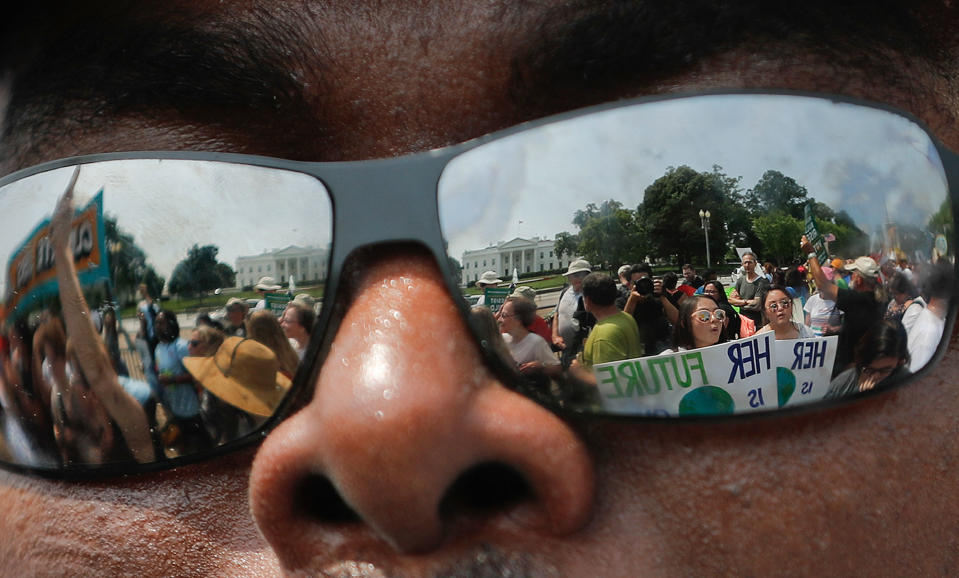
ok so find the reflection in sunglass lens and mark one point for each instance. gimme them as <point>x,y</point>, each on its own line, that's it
<point>629,185</point>
<point>162,246</point>
<point>705,316</point>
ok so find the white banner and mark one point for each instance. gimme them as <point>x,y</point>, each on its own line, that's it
<point>752,374</point>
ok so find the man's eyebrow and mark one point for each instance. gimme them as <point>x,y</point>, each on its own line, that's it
<point>131,66</point>
<point>580,51</point>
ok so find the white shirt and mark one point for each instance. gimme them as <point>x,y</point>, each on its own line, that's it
<point>531,348</point>
<point>924,336</point>
<point>564,314</point>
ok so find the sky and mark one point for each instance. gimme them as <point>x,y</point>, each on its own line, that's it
<point>871,163</point>
<point>170,205</point>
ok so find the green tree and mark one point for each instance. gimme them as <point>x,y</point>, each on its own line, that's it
<point>669,214</point>
<point>941,221</point>
<point>608,233</point>
<point>128,264</point>
<point>566,244</point>
<point>775,192</point>
<point>780,234</point>
<point>200,272</point>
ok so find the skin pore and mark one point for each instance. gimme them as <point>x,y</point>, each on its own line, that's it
<point>866,488</point>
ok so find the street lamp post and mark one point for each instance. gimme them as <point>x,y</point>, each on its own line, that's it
<point>704,218</point>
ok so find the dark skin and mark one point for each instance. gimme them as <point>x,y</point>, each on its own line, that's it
<point>863,489</point>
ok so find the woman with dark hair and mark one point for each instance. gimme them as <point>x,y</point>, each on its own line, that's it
<point>777,308</point>
<point>700,323</point>
<point>882,353</point>
<point>904,295</point>
<point>179,394</point>
<point>714,288</point>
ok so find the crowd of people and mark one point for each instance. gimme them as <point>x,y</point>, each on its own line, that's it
<point>889,319</point>
<point>69,397</point>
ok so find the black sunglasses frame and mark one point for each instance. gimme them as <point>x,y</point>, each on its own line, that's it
<point>371,219</point>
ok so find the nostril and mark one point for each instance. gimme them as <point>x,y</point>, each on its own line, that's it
<point>318,499</point>
<point>485,488</point>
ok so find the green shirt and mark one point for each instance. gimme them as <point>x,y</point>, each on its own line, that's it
<point>614,338</point>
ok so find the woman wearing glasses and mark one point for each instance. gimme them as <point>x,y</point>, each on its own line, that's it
<point>700,324</point>
<point>777,308</point>
<point>882,353</point>
<point>715,289</point>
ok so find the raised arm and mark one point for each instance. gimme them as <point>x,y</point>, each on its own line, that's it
<point>90,351</point>
<point>827,288</point>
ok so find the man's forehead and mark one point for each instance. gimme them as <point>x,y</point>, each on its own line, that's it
<point>334,81</point>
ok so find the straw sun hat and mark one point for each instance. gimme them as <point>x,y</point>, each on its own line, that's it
<point>244,373</point>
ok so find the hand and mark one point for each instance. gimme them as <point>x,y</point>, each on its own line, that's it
<point>559,342</point>
<point>531,366</point>
<point>658,287</point>
<point>805,246</point>
<point>62,220</point>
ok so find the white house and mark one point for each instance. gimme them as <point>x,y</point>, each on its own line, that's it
<point>525,255</point>
<point>305,264</point>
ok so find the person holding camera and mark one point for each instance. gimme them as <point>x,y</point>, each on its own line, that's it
<point>649,307</point>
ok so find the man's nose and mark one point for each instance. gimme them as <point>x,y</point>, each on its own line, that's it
<point>410,437</point>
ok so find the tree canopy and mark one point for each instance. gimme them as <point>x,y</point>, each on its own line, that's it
<point>200,272</point>
<point>769,217</point>
<point>128,264</point>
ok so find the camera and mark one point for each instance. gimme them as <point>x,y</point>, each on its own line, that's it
<point>644,286</point>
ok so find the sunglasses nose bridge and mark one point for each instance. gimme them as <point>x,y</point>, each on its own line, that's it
<point>385,201</point>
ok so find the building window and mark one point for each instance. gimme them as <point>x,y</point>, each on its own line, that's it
<point>551,254</point>
<point>540,254</point>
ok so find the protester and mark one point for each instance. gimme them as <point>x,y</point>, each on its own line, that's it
<point>297,322</point>
<point>487,279</point>
<point>530,352</point>
<point>235,322</point>
<point>820,314</point>
<point>778,315</point>
<point>859,304</point>
<point>715,289</point>
<point>700,324</point>
<point>926,331</point>
<point>650,308</point>
<point>747,290</point>
<point>415,482</point>
<point>263,286</point>
<point>881,356</point>
<point>537,324</point>
<point>571,321</point>
<point>615,335</point>
<point>263,326</point>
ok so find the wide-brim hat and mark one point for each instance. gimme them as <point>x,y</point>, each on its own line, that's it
<point>266,284</point>
<point>525,291</point>
<point>244,373</point>
<point>488,278</point>
<point>866,266</point>
<point>236,302</point>
<point>578,266</point>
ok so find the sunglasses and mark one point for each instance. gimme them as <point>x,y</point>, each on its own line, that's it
<point>529,200</point>
<point>777,305</point>
<point>705,315</point>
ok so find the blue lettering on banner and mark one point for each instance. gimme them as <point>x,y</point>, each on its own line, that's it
<point>747,357</point>
<point>809,354</point>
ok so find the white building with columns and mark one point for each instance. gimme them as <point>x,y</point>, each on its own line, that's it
<point>525,255</point>
<point>305,264</point>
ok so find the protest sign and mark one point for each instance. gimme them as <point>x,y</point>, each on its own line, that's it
<point>277,302</point>
<point>817,240</point>
<point>495,297</point>
<point>31,272</point>
<point>752,374</point>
